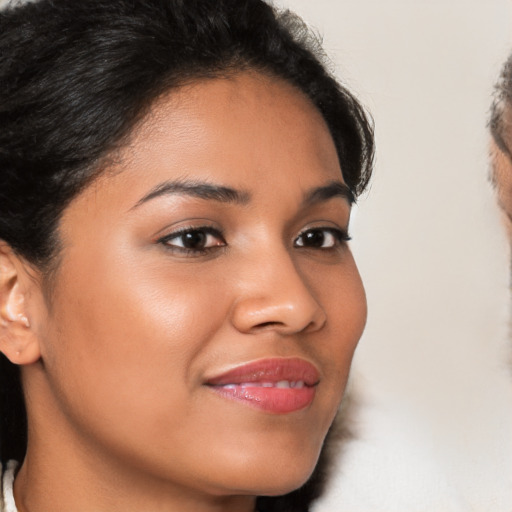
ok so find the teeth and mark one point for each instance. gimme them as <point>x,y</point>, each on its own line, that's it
<point>282,384</point>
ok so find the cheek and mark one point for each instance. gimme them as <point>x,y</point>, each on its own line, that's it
<point>502,174</point>
<point>341,294</point>
<point>130,351</point>
<point>340,291</point>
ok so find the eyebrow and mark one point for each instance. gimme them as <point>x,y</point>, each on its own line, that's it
<point>220,193</point>
<point>201,190</point>
<point>329,191</point>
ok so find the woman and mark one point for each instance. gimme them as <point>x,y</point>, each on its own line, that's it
<point>178,300</point>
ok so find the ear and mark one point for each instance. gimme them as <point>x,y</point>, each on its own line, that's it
<point>18,341</point>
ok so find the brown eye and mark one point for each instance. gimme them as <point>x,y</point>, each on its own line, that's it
<point>193,240</point>
<point>313,238</point>
<point>321,238</point>
<point>197,239</point>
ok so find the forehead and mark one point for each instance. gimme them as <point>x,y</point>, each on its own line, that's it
<point>234,127</point>
<point>248,132</point>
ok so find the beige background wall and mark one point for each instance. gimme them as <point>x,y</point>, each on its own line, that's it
<point>434,422</point>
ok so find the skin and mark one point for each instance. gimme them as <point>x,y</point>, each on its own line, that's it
<point>502,177</point>
<point>501,168</point>
<point>114,367</point>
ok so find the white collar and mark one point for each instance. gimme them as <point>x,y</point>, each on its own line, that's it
<point>7,496</point>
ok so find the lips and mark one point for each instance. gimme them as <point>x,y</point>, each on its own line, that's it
<point>277,386</point>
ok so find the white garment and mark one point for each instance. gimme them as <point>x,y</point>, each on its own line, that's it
<point>6,496</point>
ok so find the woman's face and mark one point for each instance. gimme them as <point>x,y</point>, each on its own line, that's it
<point>206,307</point>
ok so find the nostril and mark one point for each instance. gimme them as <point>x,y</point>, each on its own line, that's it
<point>280,326</point>
<point>267,324</point>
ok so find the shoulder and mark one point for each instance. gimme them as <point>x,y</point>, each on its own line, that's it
<point>7,473</point>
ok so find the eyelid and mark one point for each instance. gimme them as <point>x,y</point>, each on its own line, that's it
<point>193,224</point>
<point>326,226</point>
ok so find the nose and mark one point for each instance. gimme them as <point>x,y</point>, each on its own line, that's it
<point>273,295</point>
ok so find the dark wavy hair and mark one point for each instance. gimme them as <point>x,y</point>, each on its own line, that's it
<point>76,76</point>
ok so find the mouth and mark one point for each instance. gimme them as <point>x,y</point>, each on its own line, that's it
<point>278,386</point>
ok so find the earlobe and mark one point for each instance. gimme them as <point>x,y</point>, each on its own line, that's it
<point>18,342</point>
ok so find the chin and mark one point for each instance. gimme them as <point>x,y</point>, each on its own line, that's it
<point>279,474</point>
<point>283,486</point>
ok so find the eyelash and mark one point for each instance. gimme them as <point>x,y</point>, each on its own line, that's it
<point>204,230</point>
<point>340,237</point>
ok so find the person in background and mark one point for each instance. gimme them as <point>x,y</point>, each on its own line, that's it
<point>501,144</point>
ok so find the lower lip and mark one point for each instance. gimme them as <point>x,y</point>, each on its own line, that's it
<point>273,400</point>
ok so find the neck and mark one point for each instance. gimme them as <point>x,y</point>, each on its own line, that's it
<point>46,485</point>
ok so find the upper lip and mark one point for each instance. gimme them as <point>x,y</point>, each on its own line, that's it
<point>269,370</point>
